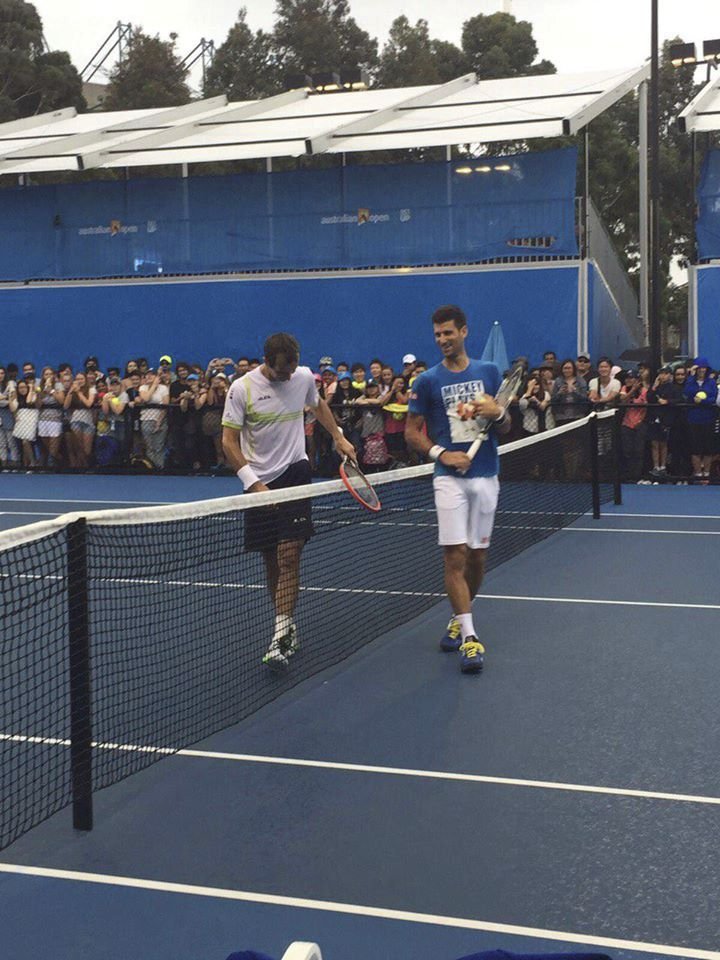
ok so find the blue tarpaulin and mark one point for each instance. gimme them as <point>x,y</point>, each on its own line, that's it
<point>355,216</point>
<point>708,202</point>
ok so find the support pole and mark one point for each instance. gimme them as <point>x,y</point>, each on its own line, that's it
<point>79,668</point>
<point>654,139</point>
<point>643,210</point>
<point>595,465</point>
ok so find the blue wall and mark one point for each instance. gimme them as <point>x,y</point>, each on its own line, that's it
<point>380,215</point>
<point>347,317</point>
<point>708,205</point>
<point>608,335</point>
<point>708,294</point>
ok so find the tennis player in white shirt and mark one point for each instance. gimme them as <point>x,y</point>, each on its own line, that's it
<point>264,442</point>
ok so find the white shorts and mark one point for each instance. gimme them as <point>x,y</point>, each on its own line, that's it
<point>465,510</point>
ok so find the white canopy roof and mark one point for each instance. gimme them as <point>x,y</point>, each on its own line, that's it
<point>702,114</point>
<point>300,122</point>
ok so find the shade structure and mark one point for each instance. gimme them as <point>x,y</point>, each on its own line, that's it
<point>495,350</point>
<point>702,114</point>
<point>301,122</point>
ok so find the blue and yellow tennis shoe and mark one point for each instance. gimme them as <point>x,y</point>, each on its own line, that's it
<point>471,655</point>
<point>452,640</point>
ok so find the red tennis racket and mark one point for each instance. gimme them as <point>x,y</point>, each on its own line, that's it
<point>359,486</point>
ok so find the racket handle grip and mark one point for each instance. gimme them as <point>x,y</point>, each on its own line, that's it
<point>475,446</point>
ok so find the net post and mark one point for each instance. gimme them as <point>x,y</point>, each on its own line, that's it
<point>595,464</point>
<point>80,675</point>
<point>617,467</point>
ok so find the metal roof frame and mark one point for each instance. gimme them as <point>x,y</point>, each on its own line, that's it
<point>370,123</point>
<point>156,141</point>
<point>576,121</point>
<point>691,120</point>
<point>459,112</point>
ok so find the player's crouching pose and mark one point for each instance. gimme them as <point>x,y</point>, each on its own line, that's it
<point>448,397</point>
<point>264,442</point>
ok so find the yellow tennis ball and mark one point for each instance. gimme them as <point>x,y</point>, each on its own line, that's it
<point>115,400</point>
<point>701,395</point>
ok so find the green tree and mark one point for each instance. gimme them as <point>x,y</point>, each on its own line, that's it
<point>499,46</point>
<point>317,35</point>
<point>244,66</point>
<point>411,57</point>
<point>151,75</point>
<point>32,81</point>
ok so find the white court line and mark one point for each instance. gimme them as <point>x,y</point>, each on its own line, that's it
<point>681,533</point>
<point>138,503</point>
<point>618,603</point>
<point>216,585</point>
<point>358,910</point>
<point>370,768</point>
<point>662,516</point>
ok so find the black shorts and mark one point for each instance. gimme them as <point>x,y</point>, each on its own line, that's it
<point>266,527</point>
<point>658,431</point>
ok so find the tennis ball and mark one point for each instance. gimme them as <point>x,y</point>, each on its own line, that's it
<point>701,395</point>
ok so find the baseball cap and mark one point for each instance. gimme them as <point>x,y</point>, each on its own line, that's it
<point>701,362</point>
<point>91,360</point>
<point>632,372</point>
<point>325,362</point>
<point>165,358</point>
<point>583,356</point>
<point>409,358</point>
<point>329,370</point>
<point>344,376</point>
<point>666,368</point>
<point>193,376</point>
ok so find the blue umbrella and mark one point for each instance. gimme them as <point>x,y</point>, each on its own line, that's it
<point>495,350</point>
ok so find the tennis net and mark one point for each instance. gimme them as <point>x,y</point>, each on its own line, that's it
<point>129,634</point>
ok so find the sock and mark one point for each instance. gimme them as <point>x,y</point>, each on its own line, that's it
<point>467,628</point>
<point>282,625</point>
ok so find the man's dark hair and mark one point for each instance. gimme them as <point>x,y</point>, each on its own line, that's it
<point>28,363</point>
<point>357,366</point>
<point>281,343</point>
<point>450,313</point>
<point>113,371</point>
<point>605,360</point>
<point>376,360</point>
<point>551,352</point>
<point>180,364</point>
<point>240,359</point>
<point>62,367</point>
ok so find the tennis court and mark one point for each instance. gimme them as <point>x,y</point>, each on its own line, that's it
<point>388,806</point>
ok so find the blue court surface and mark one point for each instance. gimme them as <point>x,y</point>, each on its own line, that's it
<point>566,799</point>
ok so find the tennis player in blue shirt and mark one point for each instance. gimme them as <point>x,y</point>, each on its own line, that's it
<point>448,397</point>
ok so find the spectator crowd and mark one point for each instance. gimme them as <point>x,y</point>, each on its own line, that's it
<point>169,417</point>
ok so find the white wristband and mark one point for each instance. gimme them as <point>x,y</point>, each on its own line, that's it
<point>247,476</point>
<point>501,417</point>
<point>436,451</point>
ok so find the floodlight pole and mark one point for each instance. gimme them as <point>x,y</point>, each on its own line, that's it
<point>654,328</point>
<point>644,209</point>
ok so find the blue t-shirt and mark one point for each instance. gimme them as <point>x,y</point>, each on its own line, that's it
<point>436,395</point>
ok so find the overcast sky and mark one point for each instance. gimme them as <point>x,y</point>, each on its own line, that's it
<point>575,34</point>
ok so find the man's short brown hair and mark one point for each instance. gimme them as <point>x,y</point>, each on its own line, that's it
<point>281,343</point>
<point>449,312</point>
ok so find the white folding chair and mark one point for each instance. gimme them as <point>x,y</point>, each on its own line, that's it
<point>302,951</point>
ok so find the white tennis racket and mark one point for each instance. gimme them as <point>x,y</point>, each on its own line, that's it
<point>508,388</point>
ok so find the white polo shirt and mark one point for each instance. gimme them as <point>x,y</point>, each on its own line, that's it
<point>269,416</point>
